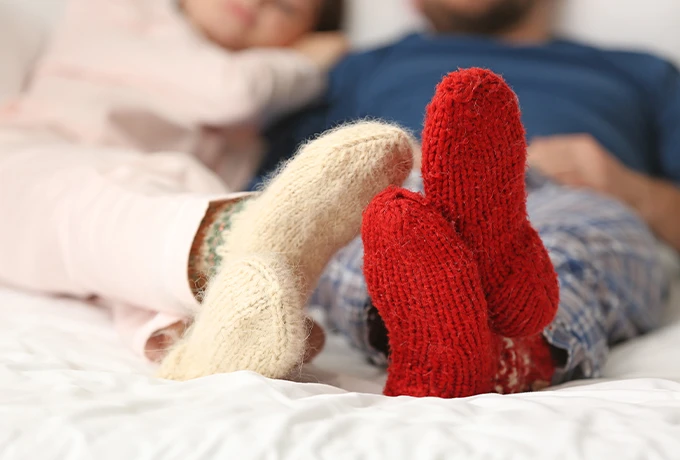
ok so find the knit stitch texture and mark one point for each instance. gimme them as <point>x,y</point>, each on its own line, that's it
<point>252,315</point>
<point>455,272</point>
<point>474,162</point>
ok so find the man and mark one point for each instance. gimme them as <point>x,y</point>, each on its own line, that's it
<point>604,135</point>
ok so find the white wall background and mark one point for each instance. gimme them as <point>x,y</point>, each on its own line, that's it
<point>374,22</point>
<point>648,24</point>
<point>652,25</point>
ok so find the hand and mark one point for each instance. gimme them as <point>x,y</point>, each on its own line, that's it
<point>578,160</point>
<point>325,49</point>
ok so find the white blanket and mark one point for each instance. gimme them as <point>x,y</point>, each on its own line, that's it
<point>69,390</point>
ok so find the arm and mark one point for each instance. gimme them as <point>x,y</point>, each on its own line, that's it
<point>284,137</point>
<point>176,72</point>
<point>284,80</point>
<point>580,161</point>
<point>250,85</point>
<point>335,108</point>
<point>657,201</point>
<point>263,84</point>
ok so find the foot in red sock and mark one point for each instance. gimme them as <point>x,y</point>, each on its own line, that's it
<point>457,271</point>
<point>474,161</point>
<point>424,282</point>
<point>523,364</point>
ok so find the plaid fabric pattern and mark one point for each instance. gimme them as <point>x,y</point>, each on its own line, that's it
<point>612,283</point>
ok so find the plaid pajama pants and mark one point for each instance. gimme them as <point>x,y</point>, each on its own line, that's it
<point>612,283</point>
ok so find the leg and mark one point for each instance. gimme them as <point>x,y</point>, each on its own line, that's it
<point>474,160</point>
<point>277,246</point>
<point>612,284</point>
<point>85,222</point>
<point>116,225</point>
<point>612,288</point>
<point>89,221</point>
<point>425,284</point>
<point>429,296</point>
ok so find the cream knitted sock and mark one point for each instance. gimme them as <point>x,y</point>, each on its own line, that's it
<point>252,315</point>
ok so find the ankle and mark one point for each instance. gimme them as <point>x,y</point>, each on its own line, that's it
<point>509,250</point>
<point>204,259</point>
<point>524,364</point>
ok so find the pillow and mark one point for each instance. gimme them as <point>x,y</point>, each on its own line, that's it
<point>375,22</point>
<point>653,25</point>
<point>23,28</point>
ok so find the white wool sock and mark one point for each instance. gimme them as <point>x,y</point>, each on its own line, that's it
<point>252,316</point>
<point>260,311</point>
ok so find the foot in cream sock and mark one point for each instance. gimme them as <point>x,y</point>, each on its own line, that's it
<point>252,314</point>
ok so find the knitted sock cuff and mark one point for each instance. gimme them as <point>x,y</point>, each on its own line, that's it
<point>203,258</point>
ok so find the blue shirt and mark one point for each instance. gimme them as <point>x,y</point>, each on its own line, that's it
<point>630,102</point>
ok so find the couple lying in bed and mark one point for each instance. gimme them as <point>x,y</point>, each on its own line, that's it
<point>471,274</point>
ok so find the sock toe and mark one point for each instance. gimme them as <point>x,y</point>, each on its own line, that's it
<point>423,281</point>
<point>474,85</point>
<point>313,207</point>
<point>474,162</point>
<point>473,143</point>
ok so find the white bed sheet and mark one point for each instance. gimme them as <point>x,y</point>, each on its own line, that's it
<point>69,390</point>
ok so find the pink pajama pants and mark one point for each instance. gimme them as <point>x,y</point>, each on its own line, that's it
<point>106,223</point>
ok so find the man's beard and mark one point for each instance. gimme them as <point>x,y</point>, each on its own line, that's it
<point>499,17</point>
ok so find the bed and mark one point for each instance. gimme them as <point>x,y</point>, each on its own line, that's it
<point>70,390</point>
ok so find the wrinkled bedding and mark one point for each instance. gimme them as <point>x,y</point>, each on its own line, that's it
<point>69,390</point>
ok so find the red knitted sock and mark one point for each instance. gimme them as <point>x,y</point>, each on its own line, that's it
<point>474,160</point>
<point>424,282</point>
<point>524,364</point>
<point>444,269</point>
<point>425,285</point>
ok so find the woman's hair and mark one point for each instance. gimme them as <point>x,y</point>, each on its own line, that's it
<point>331,16</point>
